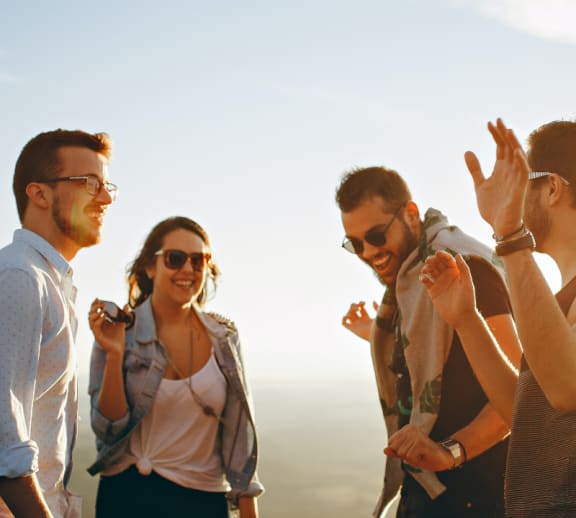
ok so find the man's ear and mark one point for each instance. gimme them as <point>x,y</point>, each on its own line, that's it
<point>555,189</point>
<point>412,215</point>
<point>38,195</point>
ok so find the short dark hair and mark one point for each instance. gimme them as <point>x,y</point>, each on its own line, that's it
<point>139,284</point>
<point>360,184</point>
<point>39,159</point>
<point>552,148</point>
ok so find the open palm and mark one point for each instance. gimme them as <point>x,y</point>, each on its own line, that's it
<point>500,197</point>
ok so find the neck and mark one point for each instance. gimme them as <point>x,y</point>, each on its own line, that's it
<point>563,254</point>
<point>166,313</point>
<point>65,246</point>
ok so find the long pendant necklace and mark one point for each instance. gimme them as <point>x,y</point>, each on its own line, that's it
<point>206,408</point>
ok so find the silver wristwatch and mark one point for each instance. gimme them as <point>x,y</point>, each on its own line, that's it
<point>455,449</point>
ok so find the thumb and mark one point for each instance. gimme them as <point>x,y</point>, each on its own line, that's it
<point>473,166</point>
<point>375,305</point>
<point>464,269</point>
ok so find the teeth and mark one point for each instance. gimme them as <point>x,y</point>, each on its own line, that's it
<point>381,263</point>
<point>183,284</point>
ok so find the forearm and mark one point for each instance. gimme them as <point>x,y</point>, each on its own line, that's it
<point>112,399</point>
<point>486,430</point>
<point>23,497</point>
<point>494,371</point>
<point>547,338</point>
<point>248,507</point>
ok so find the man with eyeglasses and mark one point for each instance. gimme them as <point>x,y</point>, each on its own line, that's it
<point>62,193</point>
<point>446,444</point>
<point>530,203</point>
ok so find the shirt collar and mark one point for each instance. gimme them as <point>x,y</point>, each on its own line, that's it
<point>55,259</point>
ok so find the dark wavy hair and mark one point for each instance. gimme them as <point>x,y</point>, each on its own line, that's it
<point>139,284</point>
<point>360,184</point>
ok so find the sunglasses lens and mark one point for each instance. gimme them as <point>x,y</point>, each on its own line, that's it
<point>376,238</point>
<point>197,261</point>
<point>354,246</point>
<point>175,259</point>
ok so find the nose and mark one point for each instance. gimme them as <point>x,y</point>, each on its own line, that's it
<point>369,251</point>
<point>104,197</point>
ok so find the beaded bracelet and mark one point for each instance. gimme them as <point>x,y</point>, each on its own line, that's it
<point>499,239</point>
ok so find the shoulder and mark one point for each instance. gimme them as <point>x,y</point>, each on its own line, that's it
<point>223,321</point>
<point>492,296</point>
<point>20,280</point>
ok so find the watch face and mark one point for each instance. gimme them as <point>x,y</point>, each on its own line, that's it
<point>455,449</point>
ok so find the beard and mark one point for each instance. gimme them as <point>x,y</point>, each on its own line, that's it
<point>536,218</point>
<point>73,225</point>
<point>408,244</point>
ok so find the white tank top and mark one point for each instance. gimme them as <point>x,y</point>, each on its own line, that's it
<point>176,439</point>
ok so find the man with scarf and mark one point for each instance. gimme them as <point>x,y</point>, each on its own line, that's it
<point>446,444</point>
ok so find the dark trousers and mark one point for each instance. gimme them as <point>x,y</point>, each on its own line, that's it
<point>131,494</point>
<point>415,503</point>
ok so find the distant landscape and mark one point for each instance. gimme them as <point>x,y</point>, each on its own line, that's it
<point>320,451</point>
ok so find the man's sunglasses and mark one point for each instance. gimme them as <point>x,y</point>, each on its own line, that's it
<point>176,259</point>
<point>375,237</point>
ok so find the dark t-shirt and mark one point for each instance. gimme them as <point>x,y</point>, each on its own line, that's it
<point>480,481</point>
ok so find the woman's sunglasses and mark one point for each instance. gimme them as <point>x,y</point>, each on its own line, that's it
<point>176,259</point>
<point>375,237</point>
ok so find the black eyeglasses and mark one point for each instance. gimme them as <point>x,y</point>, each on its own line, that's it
<point>92,184</point>
<point>176,259</point>
<point>375,236</point>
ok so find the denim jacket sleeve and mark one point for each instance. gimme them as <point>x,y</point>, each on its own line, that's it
<point>240,446</point>
<point>106,430</point>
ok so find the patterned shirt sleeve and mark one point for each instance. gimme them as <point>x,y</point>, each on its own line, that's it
<point>20,338</point>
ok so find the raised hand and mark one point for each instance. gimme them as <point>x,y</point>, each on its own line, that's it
<point>449,284</point>
<point>358,320</point>
<point>110,336</point>
<point>501,196</point>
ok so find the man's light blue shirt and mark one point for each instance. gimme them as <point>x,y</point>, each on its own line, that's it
<point>38,384</point>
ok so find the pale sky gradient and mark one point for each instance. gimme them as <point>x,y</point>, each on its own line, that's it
<point>243,117</point>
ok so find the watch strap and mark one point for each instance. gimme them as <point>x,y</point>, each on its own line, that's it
<point>514,245</point>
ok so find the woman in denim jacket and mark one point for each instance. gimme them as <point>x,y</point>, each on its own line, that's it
<point>169,401</point>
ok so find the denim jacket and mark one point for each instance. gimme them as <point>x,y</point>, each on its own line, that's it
<point>145,361</point>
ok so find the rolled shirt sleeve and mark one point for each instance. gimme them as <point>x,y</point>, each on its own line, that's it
<point>20,340</point>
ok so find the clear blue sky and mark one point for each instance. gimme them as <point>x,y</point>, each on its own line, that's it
<point>244,115</point>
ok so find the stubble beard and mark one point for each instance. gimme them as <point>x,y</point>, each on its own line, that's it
<point>537,220</point>
<point>409,243</point>
<point>74,231</point>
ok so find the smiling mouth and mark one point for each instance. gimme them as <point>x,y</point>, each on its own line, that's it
<point>96,215</point>
<point>184,284</point>
<point>381,263</point>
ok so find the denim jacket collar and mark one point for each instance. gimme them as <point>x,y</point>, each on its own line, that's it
<point>145,327</point>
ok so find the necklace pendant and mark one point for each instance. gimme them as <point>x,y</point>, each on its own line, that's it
<point>209,411</point>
